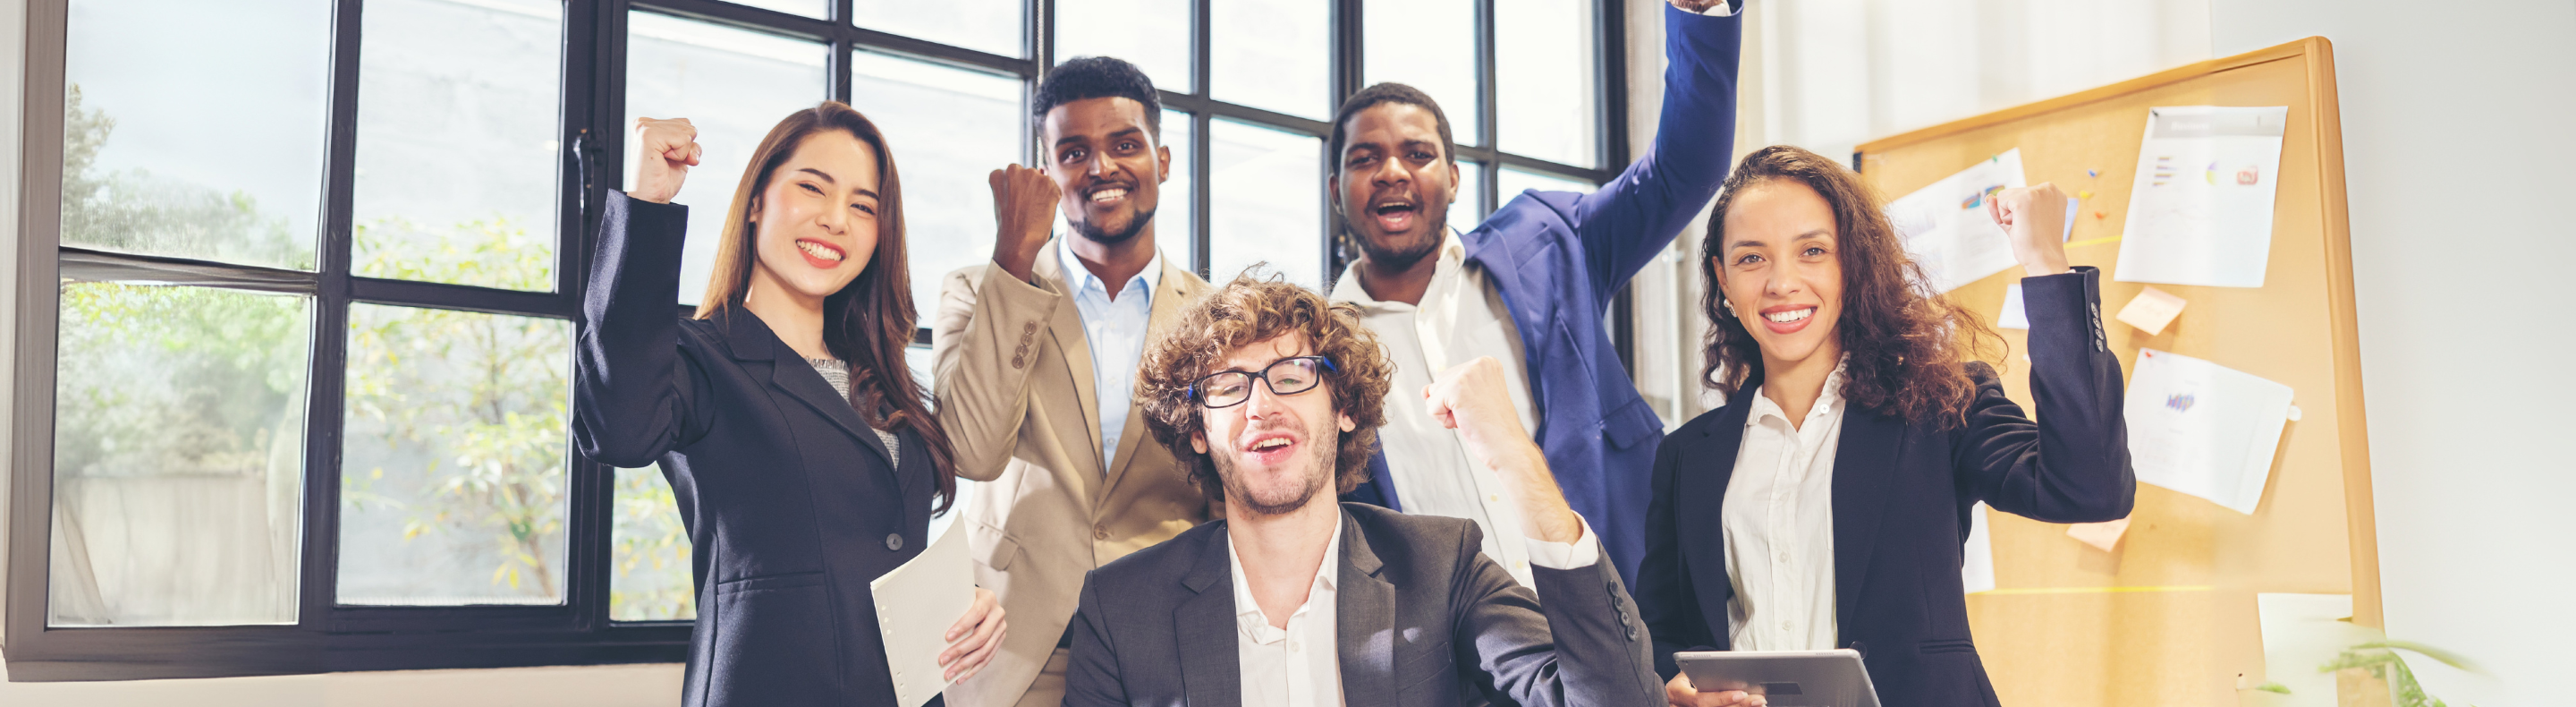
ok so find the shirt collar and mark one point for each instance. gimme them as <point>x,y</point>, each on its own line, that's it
<point>1452,254</point>
<point>1828,401</point>
<point>1327,576</point>
<point>1080,277</point>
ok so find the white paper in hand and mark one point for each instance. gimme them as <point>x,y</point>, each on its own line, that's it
<point>916,603</point>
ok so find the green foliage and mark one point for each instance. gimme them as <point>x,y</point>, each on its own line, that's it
<point>479,397</point>
<point>651,554</point>
<point>2380,658</point>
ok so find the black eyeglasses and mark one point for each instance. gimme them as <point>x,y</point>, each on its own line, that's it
<point>1287,376</point>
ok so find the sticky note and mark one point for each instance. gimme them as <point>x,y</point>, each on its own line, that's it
<point>2012,316</point>
<point>2103,536</point>
<point>2152,310</point>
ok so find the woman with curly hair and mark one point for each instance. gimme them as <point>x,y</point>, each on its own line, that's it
<point>1826,504</point>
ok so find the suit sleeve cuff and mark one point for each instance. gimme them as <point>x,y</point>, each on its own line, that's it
<point>1585,551</point>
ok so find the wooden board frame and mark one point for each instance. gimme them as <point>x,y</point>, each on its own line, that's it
<point>2142,599</point>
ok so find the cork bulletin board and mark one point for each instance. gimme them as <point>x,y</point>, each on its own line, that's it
<point>2168,615</point>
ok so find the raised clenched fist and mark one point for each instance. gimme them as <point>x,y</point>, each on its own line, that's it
<point>664,150</point>
<point>1024,202</point>
<point>2034,221</point>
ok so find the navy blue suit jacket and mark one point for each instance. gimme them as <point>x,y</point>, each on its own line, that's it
<point>1559,257</point>
<point>790,503</point>
<point>1901,497</point>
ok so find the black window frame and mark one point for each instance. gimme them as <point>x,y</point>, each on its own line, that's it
<point>328,637</point>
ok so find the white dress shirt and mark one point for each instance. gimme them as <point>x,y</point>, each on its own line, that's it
<point>1778,521</point>
<point>1461,317</point>
<point>1116,331</point>
<point>1301,665</point>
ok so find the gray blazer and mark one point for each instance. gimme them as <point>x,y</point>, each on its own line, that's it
<point>1424,618</point>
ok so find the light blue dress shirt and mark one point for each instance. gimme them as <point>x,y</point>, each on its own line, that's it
<point>1115,329</point>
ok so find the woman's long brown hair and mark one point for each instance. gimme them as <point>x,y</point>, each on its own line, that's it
<point>1905,347</point>
<point>870,321</point>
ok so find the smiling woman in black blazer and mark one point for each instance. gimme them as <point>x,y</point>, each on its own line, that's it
<point>804,458</point>
<point>1826,504</point>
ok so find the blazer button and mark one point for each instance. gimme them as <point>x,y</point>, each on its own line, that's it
<point>1019,362</point>
<point>894,542</point>
<point>1030,328</point>
<point>1099,532</point>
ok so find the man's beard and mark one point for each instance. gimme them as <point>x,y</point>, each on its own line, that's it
<point>1393,258</point>
<point>1318,474</point>
<point>1095,234</point>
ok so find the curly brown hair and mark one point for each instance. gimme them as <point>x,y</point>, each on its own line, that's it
<point>1248,311</point>
<point>1905,347</point>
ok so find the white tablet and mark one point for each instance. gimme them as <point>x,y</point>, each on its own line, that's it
<point>1832,678</point>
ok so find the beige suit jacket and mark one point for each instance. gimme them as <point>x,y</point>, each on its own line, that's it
<point>1013,378</point>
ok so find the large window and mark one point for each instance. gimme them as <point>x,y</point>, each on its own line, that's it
<point>300,280</point>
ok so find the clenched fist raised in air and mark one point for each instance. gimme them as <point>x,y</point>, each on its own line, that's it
<point>2034,220</point>
<point>1471,399</point>
<point>1024,201</point>
<point>665,149</point>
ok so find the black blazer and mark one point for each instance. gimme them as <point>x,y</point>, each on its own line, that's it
<point>1421,617</point>
<point>1901,498</point>
<point>790,504</point>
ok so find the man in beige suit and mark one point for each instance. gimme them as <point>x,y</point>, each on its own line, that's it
<point>1036,358</point>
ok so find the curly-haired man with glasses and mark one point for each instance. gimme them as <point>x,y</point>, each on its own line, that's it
<point>1268,395</point>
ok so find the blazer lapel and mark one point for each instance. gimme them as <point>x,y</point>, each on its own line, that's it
<point>1067,330</point>
<point>1211,673</point>
<point>751,339</point>
<point>1364,622</point>
<point>1701,484</point>
<point>1177,290</point>
<point>1864,468</point>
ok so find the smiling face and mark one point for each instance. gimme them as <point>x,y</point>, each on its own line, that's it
<point>1275,453</point>
<point>1781,271</point>
<point>1108,165</point>
<point>1394,182</point>
<point>815,223</point>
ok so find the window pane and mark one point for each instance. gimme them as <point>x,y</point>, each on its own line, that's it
<point>1152,34</point>
<point>457,156</point>
<point>1548,71</point>
<point>1172,221</point>
<point>1467,210</point>
<point>452,485</point>
<point>818,9</point>
<point>1272,54</point>
<point>149,82</point>
<point>949,129</point>
<point>993,26</point>
<point>649,578</point>
<point>1514,181</point>
<point>178,456</point>
<point>1265,202</point>
<point>1429,45</point>
<point>734,86</point>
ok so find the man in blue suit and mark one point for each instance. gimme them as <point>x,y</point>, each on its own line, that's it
<point>1528,286</point>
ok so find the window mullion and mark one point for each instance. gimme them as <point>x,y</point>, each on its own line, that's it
<point>324,399</point>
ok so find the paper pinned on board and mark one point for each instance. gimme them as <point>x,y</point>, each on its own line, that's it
<point>1977,566</point>
<point>2301,632</point>
<point>2200,208</point>
<point>1946,228</point>
<point>916,603</point>
<point>2152,310</point>
<point>2204,429</point>
<point>2102,536</point>
<point>2013,316</point>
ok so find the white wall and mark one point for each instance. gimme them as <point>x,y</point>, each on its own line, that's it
<point>2458,156</point>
